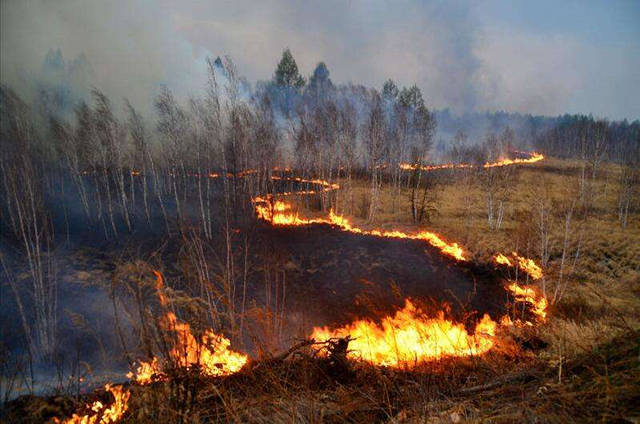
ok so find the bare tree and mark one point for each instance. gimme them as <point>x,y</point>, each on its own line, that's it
<point>172,126</point>
<point>496,182</point>
<point>374,133</point>
<point>22,202</point>
<point>629,184</point>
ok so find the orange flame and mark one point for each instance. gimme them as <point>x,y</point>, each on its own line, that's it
<point>533,158</point>
<point>279,213</point>
<point>326,185</point>
<point>528,266</point>
<point>529,296</point>
<point>101,414</point>
<point>502,260</point>
<point>413,167</point>
<point>211,353</point>
<point>408,338</point>
<point>525,264</point>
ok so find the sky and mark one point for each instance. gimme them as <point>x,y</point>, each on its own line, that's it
<point>541,57</point>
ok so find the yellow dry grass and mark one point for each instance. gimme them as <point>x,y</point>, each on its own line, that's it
<point>602,297</point>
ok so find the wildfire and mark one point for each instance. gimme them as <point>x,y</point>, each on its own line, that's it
<point>146,371</point>
<point>211,353</point>
<point>101,414</point>
<point>529,296</point>
<point>533,158</point>
<point>326,186</point>
<point>280,213</point>
<point>502,260</point>
<point>413,167</point>
<point>525,264</point>
<point>403,339</point>
<point>408,338</point>
<point>529,266</point>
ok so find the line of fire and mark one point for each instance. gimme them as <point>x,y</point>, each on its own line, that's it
<point>299,250</point>
<point>404,338</point>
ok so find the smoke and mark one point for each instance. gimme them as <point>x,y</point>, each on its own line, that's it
<point>459,58</point>
<point>135,47</point>
<point>132,47</point>
<point>362,42</point>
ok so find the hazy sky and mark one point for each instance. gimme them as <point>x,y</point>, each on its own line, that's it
<point>543,57</point>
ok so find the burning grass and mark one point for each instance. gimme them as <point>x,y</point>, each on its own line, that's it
<point>412,367</point>
<point>211,354</point>
<point>528,158</point>
<point>279,213</point>
<point>98,412</point>
<point>598,385</point>
<point>406,338</point>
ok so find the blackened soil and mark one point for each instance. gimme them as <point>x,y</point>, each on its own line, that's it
<point>334,276</point>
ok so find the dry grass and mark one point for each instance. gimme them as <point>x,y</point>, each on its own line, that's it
<point>600,385</point>
<point>603,293</point>
<point>590,371</point>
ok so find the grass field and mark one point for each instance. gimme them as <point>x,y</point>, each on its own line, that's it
<point>586,368</point>
<point>602,295</point>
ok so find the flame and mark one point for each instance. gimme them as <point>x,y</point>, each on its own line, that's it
<point>326,185</point>
<point>279,212</point>
<point>502,260</point>
<point>413,167</point>
<point>408,338</point>
<point>100,414</point>
<point>211,353</point>
<point>529,296</point>
<point>239,174</point>
<point>146,371</point>
<point>533,158</point>
<point>528,266</point>
<point>525,264</point>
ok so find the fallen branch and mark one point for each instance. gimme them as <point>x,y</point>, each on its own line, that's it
<point>496,383</point>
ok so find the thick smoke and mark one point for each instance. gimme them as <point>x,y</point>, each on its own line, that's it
<point>458,57</point>
<point>135,47</point>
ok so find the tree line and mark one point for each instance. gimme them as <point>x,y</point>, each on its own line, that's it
<point>194,168</point>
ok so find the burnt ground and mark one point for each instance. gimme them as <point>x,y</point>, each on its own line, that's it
<point>328,278</point>
<point>334,276</point>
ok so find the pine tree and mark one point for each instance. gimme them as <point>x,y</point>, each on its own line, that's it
<point>390,90</point>
<point>287,74</point>
<point>319,83</point>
